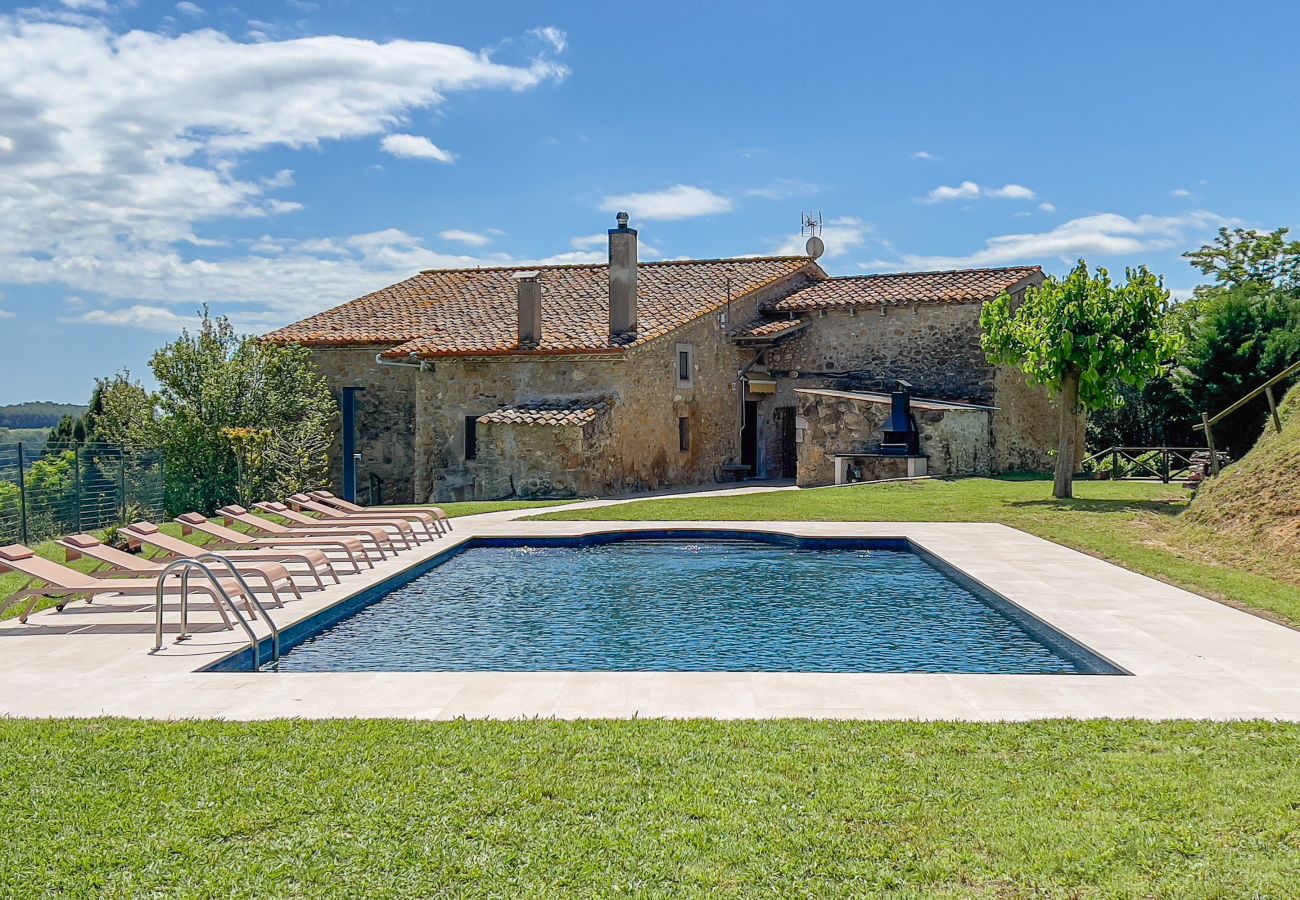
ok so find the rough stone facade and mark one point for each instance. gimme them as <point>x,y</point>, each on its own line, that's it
<point>658,430</point>
<point>956,440</point>
<point>385,420</point>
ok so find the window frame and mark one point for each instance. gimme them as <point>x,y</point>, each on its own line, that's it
<point>688,351</point>
<point>684,434</point>
<point>471,438</point>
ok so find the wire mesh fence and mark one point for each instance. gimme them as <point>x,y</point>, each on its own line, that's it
<point>55,489</point>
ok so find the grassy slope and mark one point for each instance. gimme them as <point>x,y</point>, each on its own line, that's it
<point>652,809</point>
<point>12,582</point>
<point>1132,523</point>
<point>1257,499</point>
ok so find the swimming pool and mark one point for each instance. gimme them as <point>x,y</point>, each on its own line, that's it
<point>682,602</point>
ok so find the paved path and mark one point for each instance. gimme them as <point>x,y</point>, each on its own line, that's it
<point>1189,656</point>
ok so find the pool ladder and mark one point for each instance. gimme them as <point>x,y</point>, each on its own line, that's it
<point>201,563</point>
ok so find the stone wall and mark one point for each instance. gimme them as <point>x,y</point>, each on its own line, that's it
<point>935,346</point>
<point>385,420</point>
<point>957,441</point>
<point>541,462</point>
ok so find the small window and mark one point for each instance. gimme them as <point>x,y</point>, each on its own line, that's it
<point>471,437</point>
<point>683,434</point>
<point>685,364</point>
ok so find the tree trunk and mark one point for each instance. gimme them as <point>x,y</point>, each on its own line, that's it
<point>1069,432</point>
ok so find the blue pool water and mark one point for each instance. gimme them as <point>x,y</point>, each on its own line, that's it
<point>685,605</point>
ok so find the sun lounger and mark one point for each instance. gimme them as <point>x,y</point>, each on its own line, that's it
<point>62,582</point>
<point>273,575</point>
<point>296,510</point>
<point>314,563</point>
<point>375,538</point>
<point>432,517</point>
<point>341,545</point>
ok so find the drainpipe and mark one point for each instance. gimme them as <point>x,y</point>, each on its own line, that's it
<point>741,381</point>
<point>413,363</point>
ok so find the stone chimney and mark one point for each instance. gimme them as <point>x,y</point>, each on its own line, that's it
<point>528,289</point>
<point>622,280</point>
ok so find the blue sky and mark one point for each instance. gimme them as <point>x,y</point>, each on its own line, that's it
<point>275,159</point>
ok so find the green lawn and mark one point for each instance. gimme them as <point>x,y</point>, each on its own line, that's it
<point>1131,523</point>
<point>475,507</point>
<point>648,809</point>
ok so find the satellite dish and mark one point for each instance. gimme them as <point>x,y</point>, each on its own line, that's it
<point>815,247</point>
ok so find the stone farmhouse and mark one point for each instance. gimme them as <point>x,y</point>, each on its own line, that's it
<point>581,380</point>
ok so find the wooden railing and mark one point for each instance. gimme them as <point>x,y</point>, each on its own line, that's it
<point>1208,422</point>
<point>1134,463</point>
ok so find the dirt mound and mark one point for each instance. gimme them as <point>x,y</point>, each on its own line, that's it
<point>1258,498</point>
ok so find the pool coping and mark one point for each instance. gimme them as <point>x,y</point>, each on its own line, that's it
<point>1188,657</point>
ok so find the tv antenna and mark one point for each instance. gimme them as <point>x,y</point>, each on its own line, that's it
<point>812,226</point>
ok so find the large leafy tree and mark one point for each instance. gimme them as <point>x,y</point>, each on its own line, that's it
<point>217,387</point>
<point>1247,258</point>
<point>1082,337</point>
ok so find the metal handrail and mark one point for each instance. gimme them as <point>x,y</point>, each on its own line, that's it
<point>248,592</point>
<point>186,566</point>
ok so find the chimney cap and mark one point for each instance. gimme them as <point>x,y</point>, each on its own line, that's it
<point>622,218</point>
<point>530,275</point>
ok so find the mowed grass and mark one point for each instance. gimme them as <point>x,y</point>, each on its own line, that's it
<point>1134,524</point>
<point>12,582</point>
<point>648,809</point>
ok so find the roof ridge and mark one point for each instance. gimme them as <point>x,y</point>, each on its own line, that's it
<point>658,262</point>
<point>934,272</point>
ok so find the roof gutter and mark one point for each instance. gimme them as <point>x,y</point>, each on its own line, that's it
<point>413,363</point>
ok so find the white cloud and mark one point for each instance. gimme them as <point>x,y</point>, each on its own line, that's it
<point>472,238</point>
<point>92,5</point>
<point>552,36</point>
<point>1181,192</point>
<point>840,235</point>
<point>677,202</point>
<point>150,318</point>
<point>1010,192</point>
<point>190,9</point>
<point>969,190</point>
<point>596,248</point>
<point>923,154</point>
<point>414,146</point>
<point>1104,234</point>
<point>1047,207</point>
<point>109,168</point>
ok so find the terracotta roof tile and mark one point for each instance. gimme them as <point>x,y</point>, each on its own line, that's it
<point>767,329</point>
<point>956,286</point>
<point>548,412</point>
<point>445,312</point>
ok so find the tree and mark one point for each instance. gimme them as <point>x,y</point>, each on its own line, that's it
<point>1237,338</point>
<point>1082,338</point>
<point>216,388</point>
<point>1248,258</point>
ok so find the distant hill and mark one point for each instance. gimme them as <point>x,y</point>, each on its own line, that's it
<point>1258,498</point>
<point>37,414</point>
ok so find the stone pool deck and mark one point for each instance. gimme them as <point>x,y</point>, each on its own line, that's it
<point>1189,657</point>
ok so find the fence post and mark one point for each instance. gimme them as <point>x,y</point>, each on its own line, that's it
<point>1272,408</point>
<point>1114,463</point>
<point>22,494</point>
<point>1164,466</point>
<point>121,486</point>
<point>1209,442</point>
<point>76,482</point>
